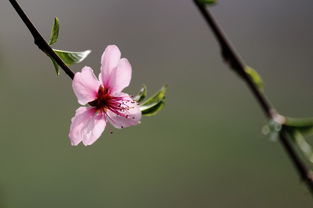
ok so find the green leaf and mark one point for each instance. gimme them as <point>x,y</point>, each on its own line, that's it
<point>152,109</point>
<point>68,57</point>
<point>72,57</point>
<point>56,66</point>
<point>142,94</point>
<point>304,146</point>
<point>155,103</point>
<point>255,77</point>
<point>303,125</point>
<point>208,1</point>
<point>157,97</point>
<point>54,31</point>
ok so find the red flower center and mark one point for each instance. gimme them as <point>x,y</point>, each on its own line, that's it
<point>103,99</point>
<point>118,105</point>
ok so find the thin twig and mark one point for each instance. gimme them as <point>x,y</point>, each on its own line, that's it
<point>235,62</point>
<point>39,41</point>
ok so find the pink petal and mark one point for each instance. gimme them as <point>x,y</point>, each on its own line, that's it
<point>121,76</point>
<point>87,126</point>
<point>109,61</point>
<point>133,115</point>
<point>85,85</point>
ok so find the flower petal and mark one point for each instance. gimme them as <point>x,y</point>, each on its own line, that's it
<point>109,61</point>
<point>121,76</point>
<point>132,118</point>
<point>87,126</point>
<point>85,85</point>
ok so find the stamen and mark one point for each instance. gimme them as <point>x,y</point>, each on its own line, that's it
<point>117,105</point>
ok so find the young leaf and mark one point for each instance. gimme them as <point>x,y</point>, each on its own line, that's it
<point>142,94</point>
<point>71,57</point>
<point>302,125</point>
<point>54,31</point>
<point>154,104</point>
<point>255,77</point>
<point>304,146</point>
<point>152,109</point>
<point>157,97</point>
<point>207,1</point>
<point>56,66</point>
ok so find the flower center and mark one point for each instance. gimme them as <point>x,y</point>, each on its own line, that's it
<point>102,101</point>
<point>118,105</point>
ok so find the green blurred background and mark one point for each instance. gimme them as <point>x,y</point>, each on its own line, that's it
<point>205,149</point>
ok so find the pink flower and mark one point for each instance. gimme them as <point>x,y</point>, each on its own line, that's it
<point>106,101</point>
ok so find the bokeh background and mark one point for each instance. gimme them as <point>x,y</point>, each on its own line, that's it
<point>205,149</point>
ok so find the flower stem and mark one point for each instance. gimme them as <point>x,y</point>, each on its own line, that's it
<point>39,41</point>
<point>236,63</point>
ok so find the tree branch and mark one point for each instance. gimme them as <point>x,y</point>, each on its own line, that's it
<point>39,41</point>
<point>235,62</point>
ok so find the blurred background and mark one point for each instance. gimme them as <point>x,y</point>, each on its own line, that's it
<point>205,149</point>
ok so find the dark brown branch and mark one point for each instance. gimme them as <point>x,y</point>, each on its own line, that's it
<point>39,41</point>
<point>235,62</point>
<point>233,59</point>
